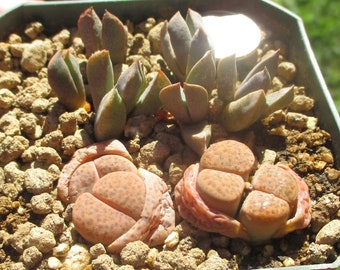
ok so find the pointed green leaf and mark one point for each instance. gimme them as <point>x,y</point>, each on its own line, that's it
<point>90,31</point>
<point>270,62</point>
<point>226,78</point>
<point>111,117</point>
<point>114,35</point>
<point>149,102</point>
<point>169,54</point>
<point>197,102</point>
<point>66,81</point>
<point>194,21</point>
<point>180,38</point>
<point>260,80</point>
<point>173,99</point>
<point>279,99</point>
<point>197,136</point>
<point>198,48</point>
<point>204,72</point>
<point>99,75</point>
<point>130,85</point>
<point>244,112</point>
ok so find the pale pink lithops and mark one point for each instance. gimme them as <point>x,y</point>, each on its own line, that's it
<point>229,156</point>
<point>213,195</point>
<point>114,202</point>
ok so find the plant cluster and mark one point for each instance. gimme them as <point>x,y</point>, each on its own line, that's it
<point>190,58</point>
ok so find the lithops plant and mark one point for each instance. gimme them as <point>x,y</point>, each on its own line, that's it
<point>215,195</point>
<point>187,52</point>
<point>189,55</point>
<point>66,81</point>
<point>109,34</point>
<point>112,101</point>
<point>114,202</point>
<point>250,102</point>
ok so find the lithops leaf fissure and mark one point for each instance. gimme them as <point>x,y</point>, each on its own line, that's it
<point>100,76</point>
<point>66,80</point>
<point>242,113</point>
<point>260,80</point>
<point>203,73</point>
<point>149,101</point>
<point>111,116</point>
<point>131,84</point>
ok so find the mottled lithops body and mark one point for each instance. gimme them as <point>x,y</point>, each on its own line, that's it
<point>115,202</point>
<point>214,195</point>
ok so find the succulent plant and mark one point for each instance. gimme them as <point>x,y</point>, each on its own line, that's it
<point>187,51</point>
<point>130,95</point>
<point>114,202</point>
<point>214,197</point>
<point>66,80</point>
<point>249,102</point>
<point>112,102</point>
<point>108,33</point>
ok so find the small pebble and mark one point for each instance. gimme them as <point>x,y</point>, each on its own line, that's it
<point>42,203</point>
<point>103,262</point>
<point>43,239</point>
<point>34,56</point>
<point>34,29</point>
<point>31,256</point>
<point>38,181</point>
<point>288,261</point>
<point>214,261</point>
<point>329,234</point>
<point>54,223</point>
<point>61,250</point>
<point>54,263</point>
<point>77,258</point>
<point>172,240</point>
<point>9,79</point>
<point>7,98</point>
<point>10,125</point>
<point>135,253</point>
<point>287,71</point>
<point>19,240</point>
<point>96,250</point>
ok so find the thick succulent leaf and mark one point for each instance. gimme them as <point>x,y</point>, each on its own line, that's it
<point>270,62</point>
<point>260,80</point>
<point>114,35</point>
<point>130,85</point>
<point>204,72</point>
<point>199,46</point>
<point>226,78</point>
<point>66,81</point>
<point>197,102</point>
<point>99,75</point>
<point>180,38</point>
<point>169,54</point>
<point>90,30</point>
<point>111,117</point>
<point>244,112</point>
<point>149,102</point>
<point>173,100</point>
<point>279,99</point>
<point>197,136</point>
<point>194,21</point>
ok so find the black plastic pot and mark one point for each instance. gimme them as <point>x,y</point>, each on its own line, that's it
<point>289,27</point>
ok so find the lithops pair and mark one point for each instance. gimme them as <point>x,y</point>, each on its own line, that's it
<point>115,202</point>
<point>215,195</point>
